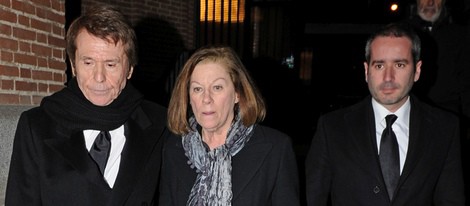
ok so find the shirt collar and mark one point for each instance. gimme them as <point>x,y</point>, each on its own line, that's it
<point>403,113</point>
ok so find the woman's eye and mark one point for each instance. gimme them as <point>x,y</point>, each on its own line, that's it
<point>218,87</point>
<point>197,89</point>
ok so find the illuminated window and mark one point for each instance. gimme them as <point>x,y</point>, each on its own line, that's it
<point>223,10</point>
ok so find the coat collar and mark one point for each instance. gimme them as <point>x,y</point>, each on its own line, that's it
<point>141,138</point>
<point>364,139</point>
<point>248,161</point>
<point>245,164</point>
<point>419,132</point>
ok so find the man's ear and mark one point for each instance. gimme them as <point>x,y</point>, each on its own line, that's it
<point>366,70</point>
<point>417,70</point>
<point>129,74</point>
<point>72,66</point>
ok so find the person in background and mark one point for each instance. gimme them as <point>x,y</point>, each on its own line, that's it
<point>97,141</point>
<point>446,64</point>
<point>223,155</point>
<point>359,156</point>
<point>444,55</point>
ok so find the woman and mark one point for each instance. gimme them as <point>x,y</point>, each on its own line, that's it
<point>224,157</point>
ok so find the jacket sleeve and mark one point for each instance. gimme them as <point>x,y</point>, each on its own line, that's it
<point>450,186</point>
<point>317,169</point>
<point>165,181</point>
<point>286,191</point>
<point>23,181</point>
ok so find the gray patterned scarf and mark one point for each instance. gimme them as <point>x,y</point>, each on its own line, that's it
<point>213,184</point>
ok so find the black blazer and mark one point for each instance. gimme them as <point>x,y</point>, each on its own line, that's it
<point>343,160</point>
<point>51,166</point>
<point>264,172</point>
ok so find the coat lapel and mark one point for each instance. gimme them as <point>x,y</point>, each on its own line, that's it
<point>367,146</point>
<point>141,138</point>
<point>418,131</point>
<point>73,150</point>
<point>248,161</point>
<point>245,164</point>
<point>187,175</point>
<point>365,140</point>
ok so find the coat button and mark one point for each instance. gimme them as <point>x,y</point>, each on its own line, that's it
<point>376,189</point>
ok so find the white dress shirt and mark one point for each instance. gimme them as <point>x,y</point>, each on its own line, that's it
<point>117,144</point>
<point>401,126</point>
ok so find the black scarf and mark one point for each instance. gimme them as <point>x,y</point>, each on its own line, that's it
<point>70,109</point>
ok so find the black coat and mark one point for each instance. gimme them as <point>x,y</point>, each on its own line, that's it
<point>445,54</point>
<point>343,160</point>
<point>264,172</point>
<point>51,166</point>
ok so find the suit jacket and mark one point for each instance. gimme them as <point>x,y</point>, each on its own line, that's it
<point>264,172</point>
<point>343,160</point>
<point>51,166</point>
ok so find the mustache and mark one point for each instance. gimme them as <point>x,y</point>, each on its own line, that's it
<point>428,9</point>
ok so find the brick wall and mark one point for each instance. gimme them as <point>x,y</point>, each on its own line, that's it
<point>32,45</point>
<point>179,13</point>
<point>32,54</point>
<point>165,29</point>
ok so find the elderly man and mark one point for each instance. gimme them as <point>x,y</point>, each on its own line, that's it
<point>97,141</point>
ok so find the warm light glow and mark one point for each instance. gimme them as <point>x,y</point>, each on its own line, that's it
<point>237,10</point>
<point>394,7</point>
<point>306,59</point>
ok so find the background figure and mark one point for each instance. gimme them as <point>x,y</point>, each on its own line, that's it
<point>465,98</point>
<point>349,160</point>
<point>445,80</point>
<point>444,52</point>
<point>223,155</point>
<point>95,142</point>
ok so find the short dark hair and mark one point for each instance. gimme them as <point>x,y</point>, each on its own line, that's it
<point>105,22</point>
<point>397,30</point>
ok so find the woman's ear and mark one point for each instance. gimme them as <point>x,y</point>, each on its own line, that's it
<point>237,99</point>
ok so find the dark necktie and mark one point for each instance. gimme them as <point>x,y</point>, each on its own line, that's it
<point>389,156</point>
<point>100,149</point>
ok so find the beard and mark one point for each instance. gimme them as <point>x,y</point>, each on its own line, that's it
<point>425,11</point>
